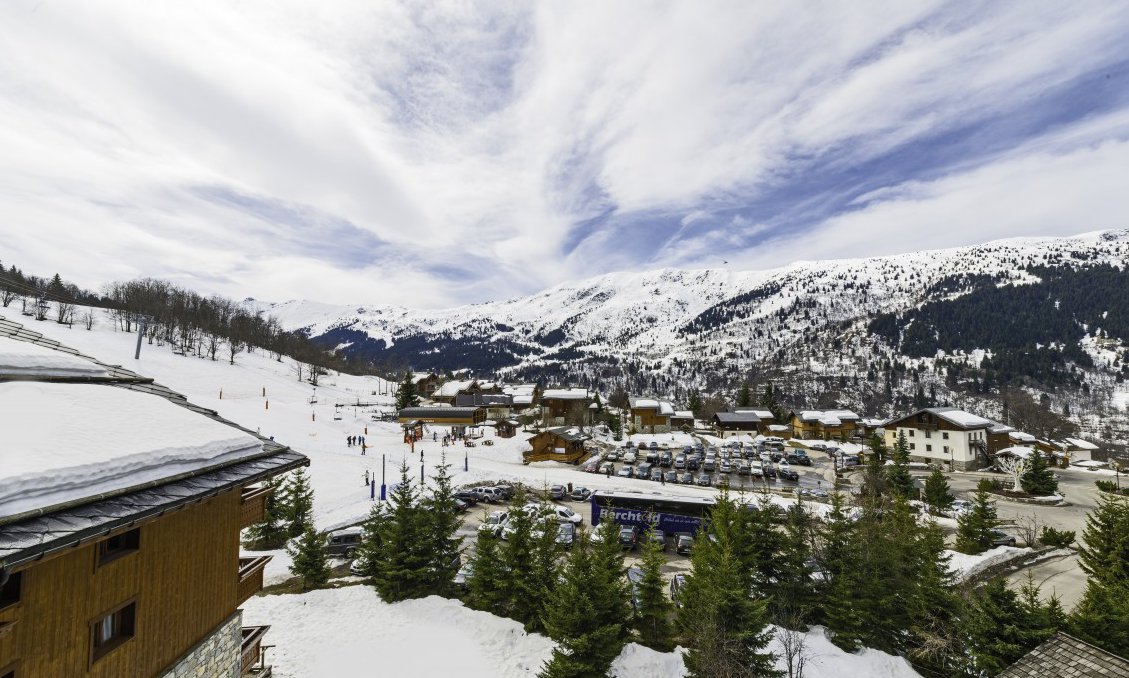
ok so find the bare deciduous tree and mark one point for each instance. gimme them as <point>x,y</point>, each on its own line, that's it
<point>88,319</point>
<point>1013,466</point>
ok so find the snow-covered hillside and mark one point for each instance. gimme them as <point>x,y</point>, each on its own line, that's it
<point>670,329</point>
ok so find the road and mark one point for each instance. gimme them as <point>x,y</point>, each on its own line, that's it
<point>1059,576</point>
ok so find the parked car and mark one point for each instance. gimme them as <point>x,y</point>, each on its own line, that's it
<point>606,468</point>
<point>1001,538</point>
<point>629,444</point>
<point>652,457</point>
<point>800,459</point>
<point>643,471</point>
<point>722,481</point>
<point>671,477</point>
<point>665,459</point>
<point>580,494</point>
<point>566,535</point>
<point>626,472</point>
<point>469,496</point>
<point>680,461</point>
<point>612,455</point>
<point>686,478</point>
<point>461,505</point>
<point>768,472</point>
<point>683,542</point>
<point>343,543</point>
<point>562,514</point>
<point>693,463</point>
<point>657,475</point>
<point>725,467</point>
<point>704,480</point>
<point>628,536</point>
<point>658,537</point>
<point>788,474</point>
<point>654,445</point>
<point>507,491</point>
<point>709,465</point>
<point>557,492</point>
<point>494,523</point>
<point>629,457</point>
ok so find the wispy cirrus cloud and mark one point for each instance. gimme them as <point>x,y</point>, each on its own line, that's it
<point>436,153</point>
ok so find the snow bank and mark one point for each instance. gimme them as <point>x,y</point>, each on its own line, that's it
<point>20,358</point>
<point>70,441</point>
<point>965,566</point>
<point>350,631</point>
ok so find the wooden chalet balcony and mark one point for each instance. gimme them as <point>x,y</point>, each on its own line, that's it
<point>253,505</point>
<point>250,577</point>
<point>254,653</point>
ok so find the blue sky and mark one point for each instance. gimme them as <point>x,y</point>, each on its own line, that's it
<point>429,154</point>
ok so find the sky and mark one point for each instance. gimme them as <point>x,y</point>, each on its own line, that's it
<point>427,154</point>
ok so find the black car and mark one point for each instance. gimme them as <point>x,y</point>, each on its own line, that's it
<point>469,496</point>
<point>775,457</point>
<point>704,480</point>
<point>768,472</point>
<point>652,457</point>
<point>665,459</point>
<point>788,474</point>
<point>693,463</point>
<point>683,542</point>
<point>801,459</point>
<point>654,445</point>
<point>671,477</point>
<point>686,478</point>
<point>628,537</point>
<point>566,535</point>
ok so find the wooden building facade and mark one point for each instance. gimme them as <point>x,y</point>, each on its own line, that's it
<point>563,444</point>
<point>142,580</point>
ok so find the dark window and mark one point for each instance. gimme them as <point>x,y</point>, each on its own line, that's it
<point>928,448</point>
<point>928,434</point>
<point>913,446</point>
<point>10,592</point>
<point>110,631</point>
<point>945,435</point>
<point>119,545</point>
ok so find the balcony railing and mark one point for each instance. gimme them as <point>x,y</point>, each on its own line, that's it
<point>253,505</point>
<point>254,653</point>
<point>250,577</point>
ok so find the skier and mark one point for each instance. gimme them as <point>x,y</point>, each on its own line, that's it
<point>366,478</point>
<point>363,446</point>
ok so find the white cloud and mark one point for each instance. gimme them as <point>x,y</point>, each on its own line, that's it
<point>445,152</point>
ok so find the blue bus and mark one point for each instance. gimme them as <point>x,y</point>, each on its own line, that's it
<point>672,514</point>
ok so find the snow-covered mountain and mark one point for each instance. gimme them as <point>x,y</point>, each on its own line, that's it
<point>670,328</point>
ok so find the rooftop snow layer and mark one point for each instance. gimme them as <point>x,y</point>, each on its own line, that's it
<point>565,394</point>
<point>66,442</point>
<point>23,358</point>
<point>960,417</point>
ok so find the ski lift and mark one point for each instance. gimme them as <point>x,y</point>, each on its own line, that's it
<point>337,412</point>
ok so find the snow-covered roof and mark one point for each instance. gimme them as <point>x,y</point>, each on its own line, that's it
<point>1021,437</point>
<point>451,388</point>
<point>960,417</point>
<point>761,413</point>
<point>1080,444</point>
<point>417,377</point>
<point>523,400</point>
<point>26,359</point>
<point>666,408</point>
<point>997,427</point>
<point>644,403</point>
<point>684,414</point>
<point>65,442</point>
<point>570,433</point>
<point>574,393</point>
<point>828,417</point>
<point>1020,451</point>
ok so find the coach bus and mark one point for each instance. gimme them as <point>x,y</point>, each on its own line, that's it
<point>671,514</point>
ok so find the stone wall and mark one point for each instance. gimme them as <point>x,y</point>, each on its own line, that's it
<point>217,656</point>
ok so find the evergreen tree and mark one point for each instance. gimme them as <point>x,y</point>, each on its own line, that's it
<point>609,578</point>
<point>368,551</point>
<point>299,503</point>
<point>744,396</point>
<point>793,598</point>
<point>897,474</point>
<point>402,567</point>
<point>310,561</point>
<point>937,646</point>
<point>488,581</point>
<point>653,609</point>
<point>974,527</point>
<point>694,402</point>
<point>937,493</point>
<point>1001,627</point>
<point>615,424</point>
<point>406,393</point>
<point>1102,616</point>
<point>588,639</point>
<point>724,627</point>
<point>546,554</point>
<point>1038,479</point>
<point>770,403</point>
<point>271,532</point>
<point>441,523</point>
<point>519,556</point>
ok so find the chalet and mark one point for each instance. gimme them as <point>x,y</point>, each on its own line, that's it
<point>563,444</point>
<point>426,383</point>
<point>824,424</point>
<point>449,391</point>
<point>443,416</point>
<point>728,424</point>
<point>506,428</point>
<point>946,435</point>
<point>524,395</point>
<point>682,419</point>
<point>121,505</point>
<point>651,416</point>
<point>497,405</point>
<point>1064,655</point>
<point>768,425</point>
<point>565,406</point>
<point>1071,449</point>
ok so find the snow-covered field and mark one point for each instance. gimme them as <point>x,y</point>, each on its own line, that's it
<point>350,631</point>
<point>347,630</point>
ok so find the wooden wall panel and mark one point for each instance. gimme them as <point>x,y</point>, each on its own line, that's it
<point>184,577</point>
